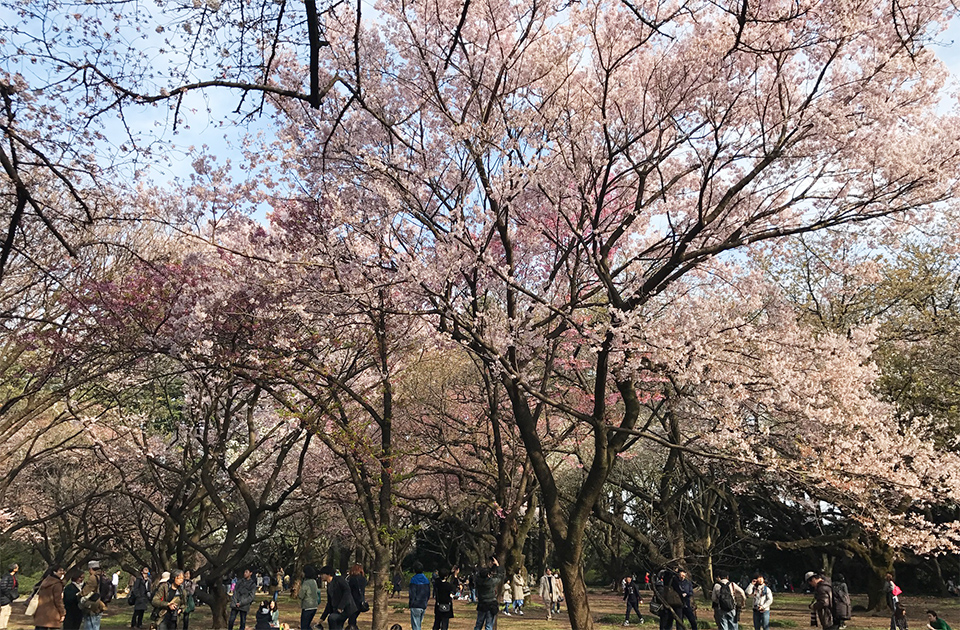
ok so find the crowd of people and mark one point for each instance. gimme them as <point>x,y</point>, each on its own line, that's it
<point>79,599</point>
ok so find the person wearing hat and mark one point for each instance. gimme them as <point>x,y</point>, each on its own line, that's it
<point>340,603</point>
<point>90,602</point>
<point>822,598</point>
<point>9,592</point>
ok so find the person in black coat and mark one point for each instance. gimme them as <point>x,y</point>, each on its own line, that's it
<point>443,594</point>
<point>71,601</point>
<point>139,598</point>
<point>358,589</point>
<point>340,604</point>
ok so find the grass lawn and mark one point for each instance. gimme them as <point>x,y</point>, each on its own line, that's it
<point>789,611</point>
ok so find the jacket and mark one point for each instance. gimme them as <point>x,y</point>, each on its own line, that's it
<point>91,586</point>
<point>823,602</point>
<point>547,591</point>
<point>358,588</point>
<point>340,599</point>
<point>166,594</point>
<point>631,593</point>
<point>516,586</point>
<point>419,591</point>
<point>841,601</point>
<point>9,589</point>
<point>443,594</point>
<point>140,594</point>
<point>309,595</point>
<point>244,593</point>
<point>50,609</point>
<point>762,596</point>
<point>71,602</point>
<point>488,584</point>
<point>686,593</point>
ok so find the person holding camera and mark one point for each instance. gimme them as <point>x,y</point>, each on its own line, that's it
<point>762,600</point>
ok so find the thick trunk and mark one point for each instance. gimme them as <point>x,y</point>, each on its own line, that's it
<point>218,606</point>
<point>574,590</point>
<point>380,582</point>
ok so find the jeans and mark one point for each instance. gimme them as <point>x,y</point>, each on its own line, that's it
<point>91,622</point>
<point>485,619</point>
<point>137,620</point>
<point>336,620</point>
<point>306,618</point>
<point>416,618</point>
<point>726,619</point>
<point>761,620</point>
<point>234,612</point>
<point>632,606</point>
<point>473,595</point>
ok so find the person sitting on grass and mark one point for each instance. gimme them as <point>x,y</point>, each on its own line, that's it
<point>936,623</point>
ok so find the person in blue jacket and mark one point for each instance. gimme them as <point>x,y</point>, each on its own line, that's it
<point>419,596</point>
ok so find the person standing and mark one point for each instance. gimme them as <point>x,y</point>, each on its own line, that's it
<point>488,582</point>
<point>841,602</point>
<point>244,592</point>
<point>822,605</point>
<point>548,593</point>
<point>689,609</point>
<point>340,604</point>
<point>443,600</point>
<point>358,589</point>
<point>724,602</point>
<point>419,596</point>
<point>71,601</point>
<point>168,600</point>
<point>9,592</point>
<point>189,599</point>
<point>631,595</point>
<point>898,616</point>
<point>140,596</point>
<point>50,609</point>
<point>91,601</point>
<point>762,600</point>
<point>397,582</point>
<point>309,597</point>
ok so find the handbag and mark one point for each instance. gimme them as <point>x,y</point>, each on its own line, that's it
<point>364,606</point>
<point>444,608</point>
<point>32,606</point>
<point>655,606</point>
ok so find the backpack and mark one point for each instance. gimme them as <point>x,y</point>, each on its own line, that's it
<point>725,598</point>
<point>106,590</point>
<point>840,604</point>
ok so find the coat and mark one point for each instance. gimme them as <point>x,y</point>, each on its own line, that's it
<point>443,593</point>
<point>822,603</point>
<point>841,601</point>
<point>9,589</point>
<point>419,591</point>
<point>516,586</point>
<point>71,602</point>
<point>488,585</point>
<point>91,585</point>
<point>358,588</point>
<point>50,608</point>
<point>309,595</point>
<point>244,593</point>
<point>340,599</point>
<point>140,594</point>
<point>547,591</point>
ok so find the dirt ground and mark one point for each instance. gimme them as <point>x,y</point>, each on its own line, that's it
<point>789,611</point>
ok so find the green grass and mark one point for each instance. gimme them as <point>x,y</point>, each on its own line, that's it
<point>783,623</point>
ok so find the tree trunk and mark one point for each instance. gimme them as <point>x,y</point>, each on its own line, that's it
<point>218,606</point>
<point>574,590</point>
<point>380,580</point>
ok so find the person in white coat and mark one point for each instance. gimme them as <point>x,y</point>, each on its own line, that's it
<point>548,592</point>
<point>762,600</point>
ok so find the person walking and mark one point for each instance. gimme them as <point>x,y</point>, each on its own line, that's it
<point>631,595</point>
<point>140,597</point>
<point>9,592</point>
<point>244,592</point>
<point>50,609</point>
<point>358,589</point>
<point>548,593</point>
<point>309,598</point>
<point>516,592</point>
<point>488,581</point>
<point>443,600</point>
<point>419,596</point>
<point>71,600</point>
<point>340,604</point>
<point>724,602</point>
<point>762,600</point>
<point>841,602</point>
